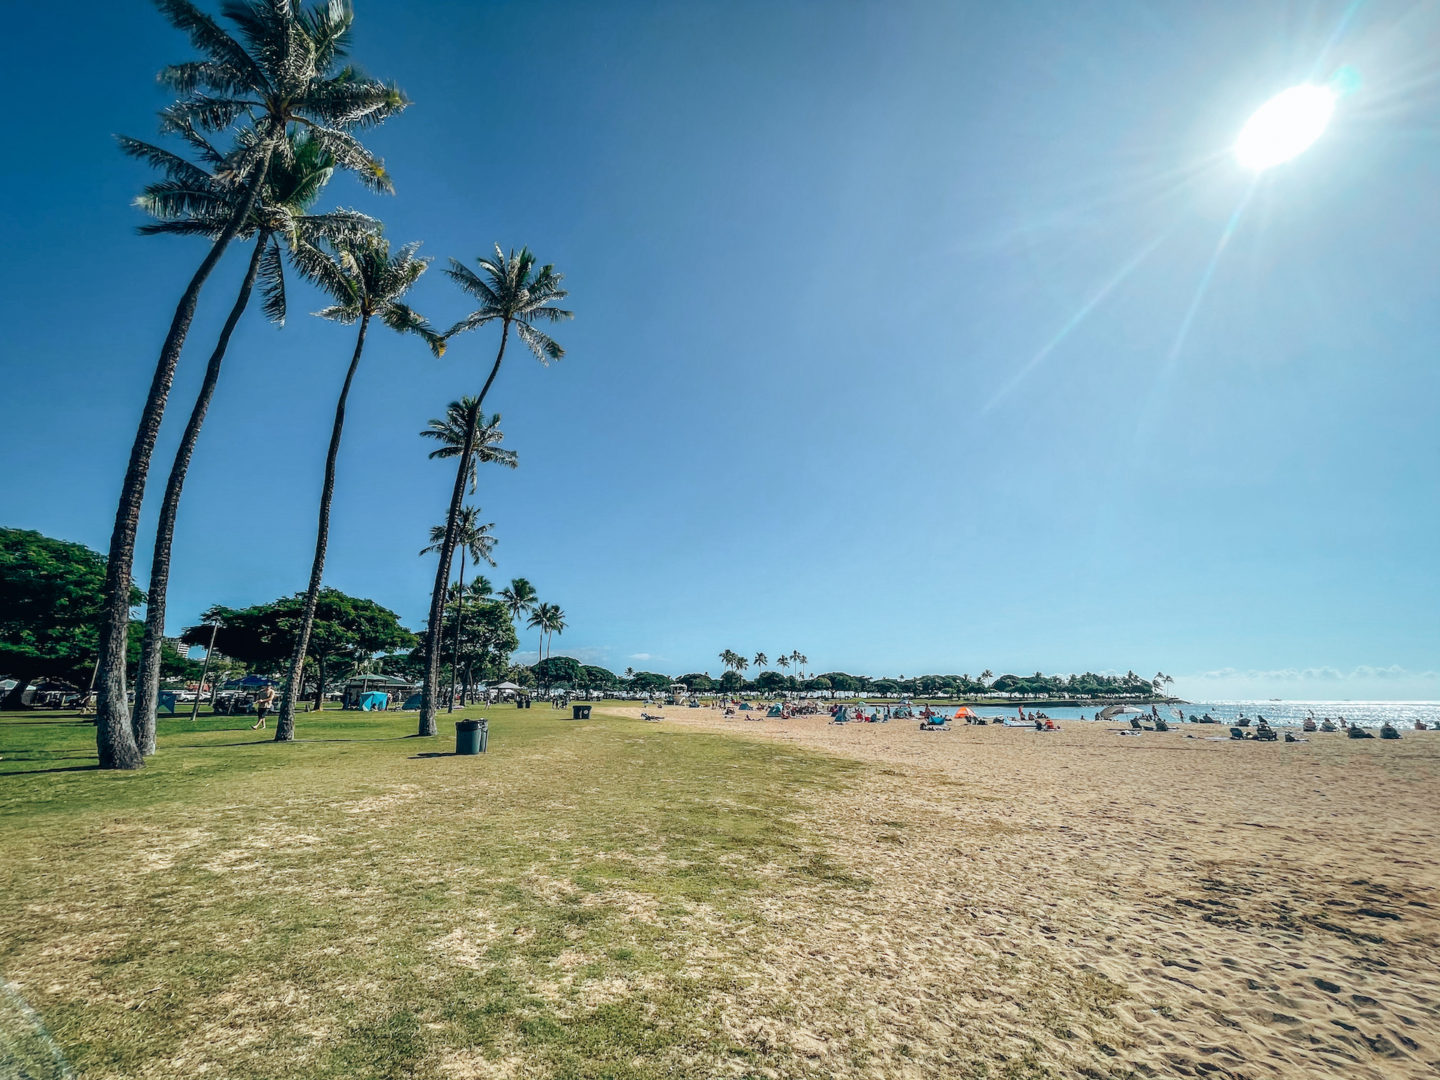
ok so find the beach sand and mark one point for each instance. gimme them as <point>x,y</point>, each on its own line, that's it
<point>1086,904</point>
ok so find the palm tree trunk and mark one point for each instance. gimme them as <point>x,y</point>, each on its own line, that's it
<point>285,722</point>
<point>147,683</point>
<point>459,618</point>
<point>114,737</point>
<point>447,552</point>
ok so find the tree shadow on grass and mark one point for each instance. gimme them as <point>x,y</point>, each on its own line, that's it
<point>437,753</point>
<point>58,769</point>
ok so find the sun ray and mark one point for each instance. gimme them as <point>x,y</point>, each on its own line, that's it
<point>1075,320</point>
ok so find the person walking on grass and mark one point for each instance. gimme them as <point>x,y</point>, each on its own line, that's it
<point>264,702</point>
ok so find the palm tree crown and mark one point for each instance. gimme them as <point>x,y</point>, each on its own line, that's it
<point>472,537</point>
<point>513,292</point>
<point>519,597</point>
<point>280,66</point>
<point>367,281</point>
<point>486,437</point>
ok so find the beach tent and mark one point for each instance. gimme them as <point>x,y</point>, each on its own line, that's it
<point>965,713</point>
<point>412,702</point>
<point>505,687</point>
<point>374,701</point>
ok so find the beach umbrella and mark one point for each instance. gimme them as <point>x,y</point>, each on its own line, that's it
<point>505,686</point>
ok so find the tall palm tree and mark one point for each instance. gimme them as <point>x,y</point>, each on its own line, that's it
<point>516,293</point>
<point>279,67</point>
<point>519,598</point>
<point>802,660</point>
<point>280,213</point>
<point>761,661</point>
<point>557,625</point>
<point>474,538</point>
<point>783,661</point>
<point>541,617</point>
<point>367,281</point>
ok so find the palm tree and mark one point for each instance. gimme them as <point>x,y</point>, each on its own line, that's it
<point>985,676</point>
<point>367,281</point>
<point>783,661</point>
<point>798,661</point>
<point>485,437</point>
<point>291,187</point>
<point>519,598</point>
<point>629,673</point>
<point>556,625</point>
<point>541,617</point>
<point>516,293</point>
<point>476,539</point>
<point>278,68</point>
<point>761,660</point>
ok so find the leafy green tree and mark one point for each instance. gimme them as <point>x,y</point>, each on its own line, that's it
<point>732,682</point>
<point>51,608</point>
<point>771,682</point>
<point>554,670</point>
<point>195,201</point>
<point>345,630</point>
<point>366,281</point>
<point>279,67</point>
<point>649,682</point>
<point>885,686</point>
<point>517,294</point>
<point>486,640</point>
<point>697,682</point>
<point>594,677</point>
<point>820,682</point>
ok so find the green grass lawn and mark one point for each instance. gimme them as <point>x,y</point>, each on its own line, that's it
<point>363,904</point>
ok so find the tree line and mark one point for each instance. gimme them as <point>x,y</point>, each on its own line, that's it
<point>264,113</point>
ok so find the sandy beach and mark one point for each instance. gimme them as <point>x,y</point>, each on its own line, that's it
<point>1088,904</point>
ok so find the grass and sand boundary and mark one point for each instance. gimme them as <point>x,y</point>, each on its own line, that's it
<point>705,897</point>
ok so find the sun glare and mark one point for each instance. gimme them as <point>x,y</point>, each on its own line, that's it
<point>1284,126</point>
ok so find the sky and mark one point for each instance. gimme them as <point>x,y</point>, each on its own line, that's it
<point>914,336</point>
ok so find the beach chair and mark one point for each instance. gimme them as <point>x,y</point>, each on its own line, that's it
<point>1238,733</point>
<point>1265,734</point>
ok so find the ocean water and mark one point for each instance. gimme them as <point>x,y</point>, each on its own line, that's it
<point>1402,714</point>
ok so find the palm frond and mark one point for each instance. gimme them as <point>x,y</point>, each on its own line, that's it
<point>545,348</point>
<point>272,282</point>
<point>216,45</point>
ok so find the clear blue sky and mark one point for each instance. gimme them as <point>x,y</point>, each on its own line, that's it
<point>820,391</point>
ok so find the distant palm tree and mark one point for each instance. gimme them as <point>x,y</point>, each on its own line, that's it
<point>367,281</point>
<point>199,200</point>
<point>518,294</point>
<point>475,539</point>
<point>741,663</point>
<point>485,437</point>
<point>557,625</point>
<point>629,673</point>
<point>518,597</point>
<point>543,618</point>
<point>783,661</point>
<point>761,660</point>
<point>280,67</point>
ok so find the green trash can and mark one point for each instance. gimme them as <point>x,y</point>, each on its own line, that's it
<point>579,712</point>
<point>471,736</point>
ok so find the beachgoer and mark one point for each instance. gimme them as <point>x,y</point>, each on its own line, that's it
<point>264,702</point>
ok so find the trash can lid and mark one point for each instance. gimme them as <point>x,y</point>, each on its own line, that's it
<point>468,725</point>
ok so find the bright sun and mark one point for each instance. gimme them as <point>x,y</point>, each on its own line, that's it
<point>1284,126</point>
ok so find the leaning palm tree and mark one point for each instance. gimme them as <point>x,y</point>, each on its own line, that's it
<point>519,597</point>
<point>475,539</point>
<point>516,293</point>
<point>281,213</point>
<point>279,66</point>
<point>367,281</point>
